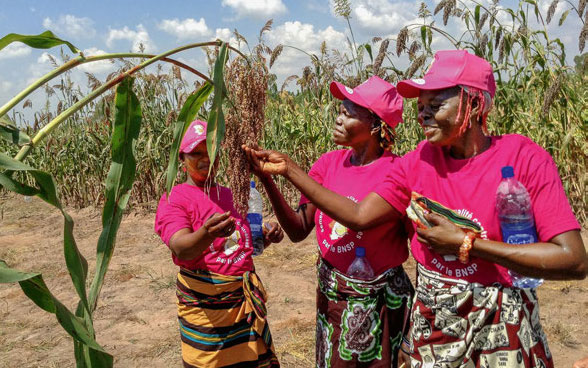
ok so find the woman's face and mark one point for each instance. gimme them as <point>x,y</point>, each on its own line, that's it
<point>198,164</point>
<point>353,125</point>
<point>438,111</point>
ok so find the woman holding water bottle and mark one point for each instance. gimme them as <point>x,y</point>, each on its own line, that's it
<point>466,311</point>
<point>363,293</point>
<point>220,299</point>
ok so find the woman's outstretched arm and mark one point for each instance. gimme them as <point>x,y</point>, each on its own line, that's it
<point>373,210</point>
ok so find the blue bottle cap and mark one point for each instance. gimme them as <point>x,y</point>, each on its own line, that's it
<point>507,172</point>
<point>252,183</point>
<point>360,252</point>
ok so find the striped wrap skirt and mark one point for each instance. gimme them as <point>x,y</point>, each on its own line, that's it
<point>223,321</point>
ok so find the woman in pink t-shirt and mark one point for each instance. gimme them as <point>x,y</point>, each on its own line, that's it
<point>466,312</point>
<point>221,302</point>
<point>359,322</point>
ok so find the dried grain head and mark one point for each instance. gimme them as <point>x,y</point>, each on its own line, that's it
<point>342,8</point>
<point>415,46</point>
<point>401,40</point>
<point>415,66</point>
<point>275,53</point>
<point>244,123</point>
<point>583,35</point>
<point>381,55</point>
<point>581,7</point>
<point>551,94</point>
<point>551,10</point>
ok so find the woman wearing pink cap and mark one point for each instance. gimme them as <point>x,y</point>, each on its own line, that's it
<point>221,301</point>
<point>359,322</point>
<point>466,312</point>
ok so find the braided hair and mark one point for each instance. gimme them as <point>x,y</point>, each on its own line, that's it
<point>484,105</point>
<point>387,133</point>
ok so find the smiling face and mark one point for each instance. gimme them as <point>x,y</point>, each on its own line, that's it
<point>353,125</point>
<point>198,165</point>
<point>438,113</point>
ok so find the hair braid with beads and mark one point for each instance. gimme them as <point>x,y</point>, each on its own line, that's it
<point>387,133</point>
<point>484,105</point>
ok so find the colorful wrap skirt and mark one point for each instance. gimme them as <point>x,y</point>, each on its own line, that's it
<point>360,323</point>
<point>459,324</point>
<point>223,321</point>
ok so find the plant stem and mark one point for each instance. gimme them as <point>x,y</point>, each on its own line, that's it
<point>25,150</point>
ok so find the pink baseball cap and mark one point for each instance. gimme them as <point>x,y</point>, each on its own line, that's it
<point>195,134</point>
<point>375,94</point>
<point>449,69</point>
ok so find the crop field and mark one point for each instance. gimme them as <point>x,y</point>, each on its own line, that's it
<point>136,318</point>
<point>79,182</point>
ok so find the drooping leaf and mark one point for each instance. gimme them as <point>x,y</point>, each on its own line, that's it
<point>45,40</point>
<point>215,131</point>
<point>187,115</point>
<point>47,191</point>
<point>119,181</point>
<point>11,133</point>
<point>35,288</point>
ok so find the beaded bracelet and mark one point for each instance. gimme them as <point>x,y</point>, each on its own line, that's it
<point>464,248</point>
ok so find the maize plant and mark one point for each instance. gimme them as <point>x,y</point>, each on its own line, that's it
<point>25,179</point>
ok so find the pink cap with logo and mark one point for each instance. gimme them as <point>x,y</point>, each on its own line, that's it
<point>449,69</point>
<point>374,94</point>
<point>195,134</point>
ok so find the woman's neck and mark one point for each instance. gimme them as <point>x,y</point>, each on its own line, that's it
<point>366,154</point>
<point>472,143</point>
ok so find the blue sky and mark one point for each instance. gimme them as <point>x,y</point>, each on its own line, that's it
<point>119,26</point>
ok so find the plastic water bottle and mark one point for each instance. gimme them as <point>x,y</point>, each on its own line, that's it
<point>517,225</point>
<point>360,267</point>
<point>255,218</point>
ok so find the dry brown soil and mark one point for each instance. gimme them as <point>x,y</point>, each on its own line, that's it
<point>135,319</point>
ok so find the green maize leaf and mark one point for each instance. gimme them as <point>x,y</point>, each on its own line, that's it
<point>11,133</point>
<point>187,115</point>
<point>35,288</point>
<point>215,131</point>
<point>119,181</point>
<point>7,182</point>
<point>47,191</point>
<point>45,40</point>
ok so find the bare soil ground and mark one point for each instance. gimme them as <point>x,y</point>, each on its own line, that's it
<point>136,320</point>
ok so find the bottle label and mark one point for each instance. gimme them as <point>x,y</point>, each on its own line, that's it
<point>519,234</point>
<point>255,220</point>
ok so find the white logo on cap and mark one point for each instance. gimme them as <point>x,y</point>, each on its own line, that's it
<point>198,129</point>
<point>418,81</point>
<point>349,90</point>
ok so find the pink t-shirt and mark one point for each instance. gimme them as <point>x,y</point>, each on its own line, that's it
<point>386,245</point>
<point>188,208</point>
<point>469,186</point>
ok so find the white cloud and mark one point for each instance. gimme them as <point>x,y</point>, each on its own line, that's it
<point>71,26</point>
<point>302,36</point>
<point>96,67</point>
<point>226,35</point>
<point>137,38</point>
<point>383,16</point>
<point>185,29</point>
<point>15,50</point>
<point>261,9</point>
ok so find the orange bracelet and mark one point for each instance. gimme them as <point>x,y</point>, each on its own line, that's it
<point>466,246</point>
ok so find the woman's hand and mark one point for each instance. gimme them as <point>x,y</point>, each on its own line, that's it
<point>444,237</point>
<point>266,161</point>
<point>272,233</point>
<point>220,225</point>
<point>403,359</point>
